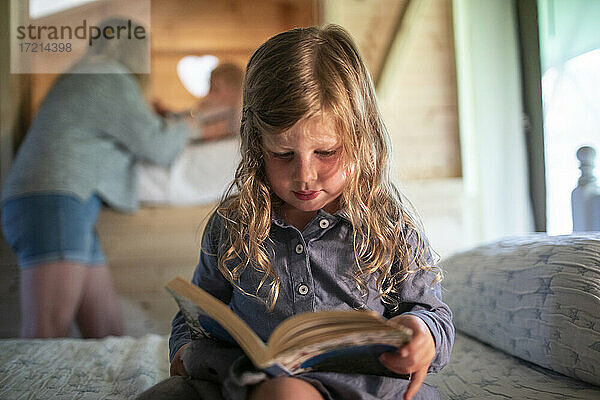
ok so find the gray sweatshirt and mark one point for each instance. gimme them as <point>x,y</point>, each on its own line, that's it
<point>87,135</point>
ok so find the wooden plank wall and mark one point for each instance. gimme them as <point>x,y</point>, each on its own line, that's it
<point>417,88</point>
<point>228,29</point>
<point>145,250</point>
<point>418,94</point>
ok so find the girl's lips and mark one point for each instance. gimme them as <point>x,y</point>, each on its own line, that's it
<point>308,195</point>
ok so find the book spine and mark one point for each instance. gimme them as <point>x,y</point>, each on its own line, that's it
<point>277,370</point>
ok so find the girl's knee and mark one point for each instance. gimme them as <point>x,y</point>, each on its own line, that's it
<point>175,387</point>
<point>285,388</point>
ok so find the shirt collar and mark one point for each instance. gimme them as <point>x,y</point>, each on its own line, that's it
<point>338,215</point>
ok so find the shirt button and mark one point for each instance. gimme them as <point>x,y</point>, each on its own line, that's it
<point>324,223</point>
<point>299,249</point>
<point>303,289</point>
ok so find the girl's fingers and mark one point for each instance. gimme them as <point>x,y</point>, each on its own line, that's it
<point>416,380</point>
<point>415,346</point>
<point>409,358</point>
<point>177,367</point>
<point>401,362</point>
<point>393,362</point>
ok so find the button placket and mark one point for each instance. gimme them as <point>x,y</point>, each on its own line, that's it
<point>303,289</point>
<point>301,276</point>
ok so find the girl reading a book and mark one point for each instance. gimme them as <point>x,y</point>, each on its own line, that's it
<point>311,222</point>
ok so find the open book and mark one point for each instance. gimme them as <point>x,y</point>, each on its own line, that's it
<point>348,341</point>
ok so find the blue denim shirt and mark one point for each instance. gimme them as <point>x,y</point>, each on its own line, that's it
<point>315,268</point>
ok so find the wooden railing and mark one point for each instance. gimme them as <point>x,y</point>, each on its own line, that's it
<point>585,198</point>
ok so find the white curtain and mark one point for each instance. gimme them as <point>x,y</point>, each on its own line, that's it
<point>568,28</point>
<point>491,120</point>
<point>570,55</point>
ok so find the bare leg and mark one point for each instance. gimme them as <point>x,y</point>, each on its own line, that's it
<point>285,388</point>
<point>99,312</point>
<point>50,295</point>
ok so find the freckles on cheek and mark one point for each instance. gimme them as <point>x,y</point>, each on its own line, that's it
<point>333,170</point>
<point>275,173</point>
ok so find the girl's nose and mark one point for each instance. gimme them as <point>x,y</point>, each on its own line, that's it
<point>305,170</point>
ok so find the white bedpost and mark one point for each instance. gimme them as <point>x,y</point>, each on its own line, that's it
<point>585,198</point>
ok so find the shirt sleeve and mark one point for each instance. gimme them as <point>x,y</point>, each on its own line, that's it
<point>129,121</point>
<point>417,296</point>
<point>207,276</point>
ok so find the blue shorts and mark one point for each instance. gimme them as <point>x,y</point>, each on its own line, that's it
<point>42,228</point>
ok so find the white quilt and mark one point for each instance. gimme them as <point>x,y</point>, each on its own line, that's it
<point>65,369</point>
<point>199,175</point>
<point>119,368</point>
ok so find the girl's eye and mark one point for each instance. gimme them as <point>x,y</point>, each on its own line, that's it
<point>283,156</point>
<point>326,153</point>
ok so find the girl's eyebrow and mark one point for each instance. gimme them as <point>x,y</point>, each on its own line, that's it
<point>284,149</point>
<point>276,149</point>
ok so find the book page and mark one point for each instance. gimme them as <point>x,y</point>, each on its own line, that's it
<point>322,335</point>
<point>294,330</point>
<point>248,340</point>
<point>190,312</point>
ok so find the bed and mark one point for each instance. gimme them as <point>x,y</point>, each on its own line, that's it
<point>111,368</point>
<point>119,368</point>
<point>511,299</point>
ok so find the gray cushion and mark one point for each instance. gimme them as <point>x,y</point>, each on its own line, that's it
<point>477,371</point>
<point>536,297</point>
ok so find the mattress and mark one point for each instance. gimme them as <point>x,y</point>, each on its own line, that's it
<point>120,368</point>
<point>108,369</point>
<point>478,371</point>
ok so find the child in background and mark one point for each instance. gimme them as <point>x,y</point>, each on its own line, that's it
<point>217,115</point>
<point>312,222</point>
<point>219,112</point>
<point>225,87</point>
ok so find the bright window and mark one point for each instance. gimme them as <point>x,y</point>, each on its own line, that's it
<point>41,8</point>
<point>571,99</point>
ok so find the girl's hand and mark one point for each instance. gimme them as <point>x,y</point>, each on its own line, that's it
<point>415,357</point>
<point>177,367</point>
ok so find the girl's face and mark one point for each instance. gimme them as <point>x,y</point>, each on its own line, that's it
<point>305,167</point>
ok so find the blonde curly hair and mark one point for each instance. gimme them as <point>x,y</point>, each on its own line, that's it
<point>296,75</point>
